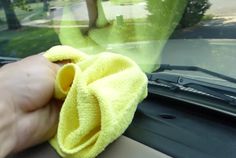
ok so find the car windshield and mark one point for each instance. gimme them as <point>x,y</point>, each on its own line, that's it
<point>152,32</point>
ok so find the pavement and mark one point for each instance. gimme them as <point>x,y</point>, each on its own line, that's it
<point>80,13</point>
<point>210,45</point>
<point>213,54</point>
<point>222,7</point>
<point>218,28</point>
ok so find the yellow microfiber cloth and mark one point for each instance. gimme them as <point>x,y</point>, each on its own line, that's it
<point>100,94</point>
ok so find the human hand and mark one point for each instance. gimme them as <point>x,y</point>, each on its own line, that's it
<point>28,116</point>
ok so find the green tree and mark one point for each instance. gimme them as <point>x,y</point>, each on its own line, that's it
<point>92,12</point>
<point>12,21</point>
<point>45,5</point>
<point>194,12</point>
<point>22,4</point>
<point>164,16</point>
<point>96,13</point>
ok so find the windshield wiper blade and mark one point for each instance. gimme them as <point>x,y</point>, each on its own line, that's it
<point>175,82</point>
<point>167,67</point>
<point>6,60</point>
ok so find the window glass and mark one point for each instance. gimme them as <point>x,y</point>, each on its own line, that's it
<point>180,32</point>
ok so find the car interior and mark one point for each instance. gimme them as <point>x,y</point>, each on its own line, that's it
<point>186,48</point>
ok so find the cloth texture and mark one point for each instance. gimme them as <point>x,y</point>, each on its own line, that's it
<point>100,93</point>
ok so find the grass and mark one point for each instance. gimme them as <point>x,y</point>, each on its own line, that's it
<point>2,21</point>
<point>68,22</point>
<point>207,17</point>
<point>126,1</point>
<point>21,14</point>
<point>26,41</point>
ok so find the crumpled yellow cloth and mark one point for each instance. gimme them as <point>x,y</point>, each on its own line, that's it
<point>100,94</point>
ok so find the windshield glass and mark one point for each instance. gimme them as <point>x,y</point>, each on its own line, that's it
<point>151,32</point>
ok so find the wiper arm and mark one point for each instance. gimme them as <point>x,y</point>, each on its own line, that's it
<point>164,67</point>
<point>175,82</point>
<point>6,60</point>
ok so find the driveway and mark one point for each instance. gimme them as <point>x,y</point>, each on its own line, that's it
<point>213,54</point>
<point>222,7</point>
<point>211,45</point>
<point>220,27</point>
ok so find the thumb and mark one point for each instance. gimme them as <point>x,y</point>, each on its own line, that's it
<point>37,126</point>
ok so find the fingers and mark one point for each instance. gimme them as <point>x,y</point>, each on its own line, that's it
<point>30,86</point>
<point>61,63</point>
<point>38,126</point>
<point>40,79</point>
<point>57,64</point>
